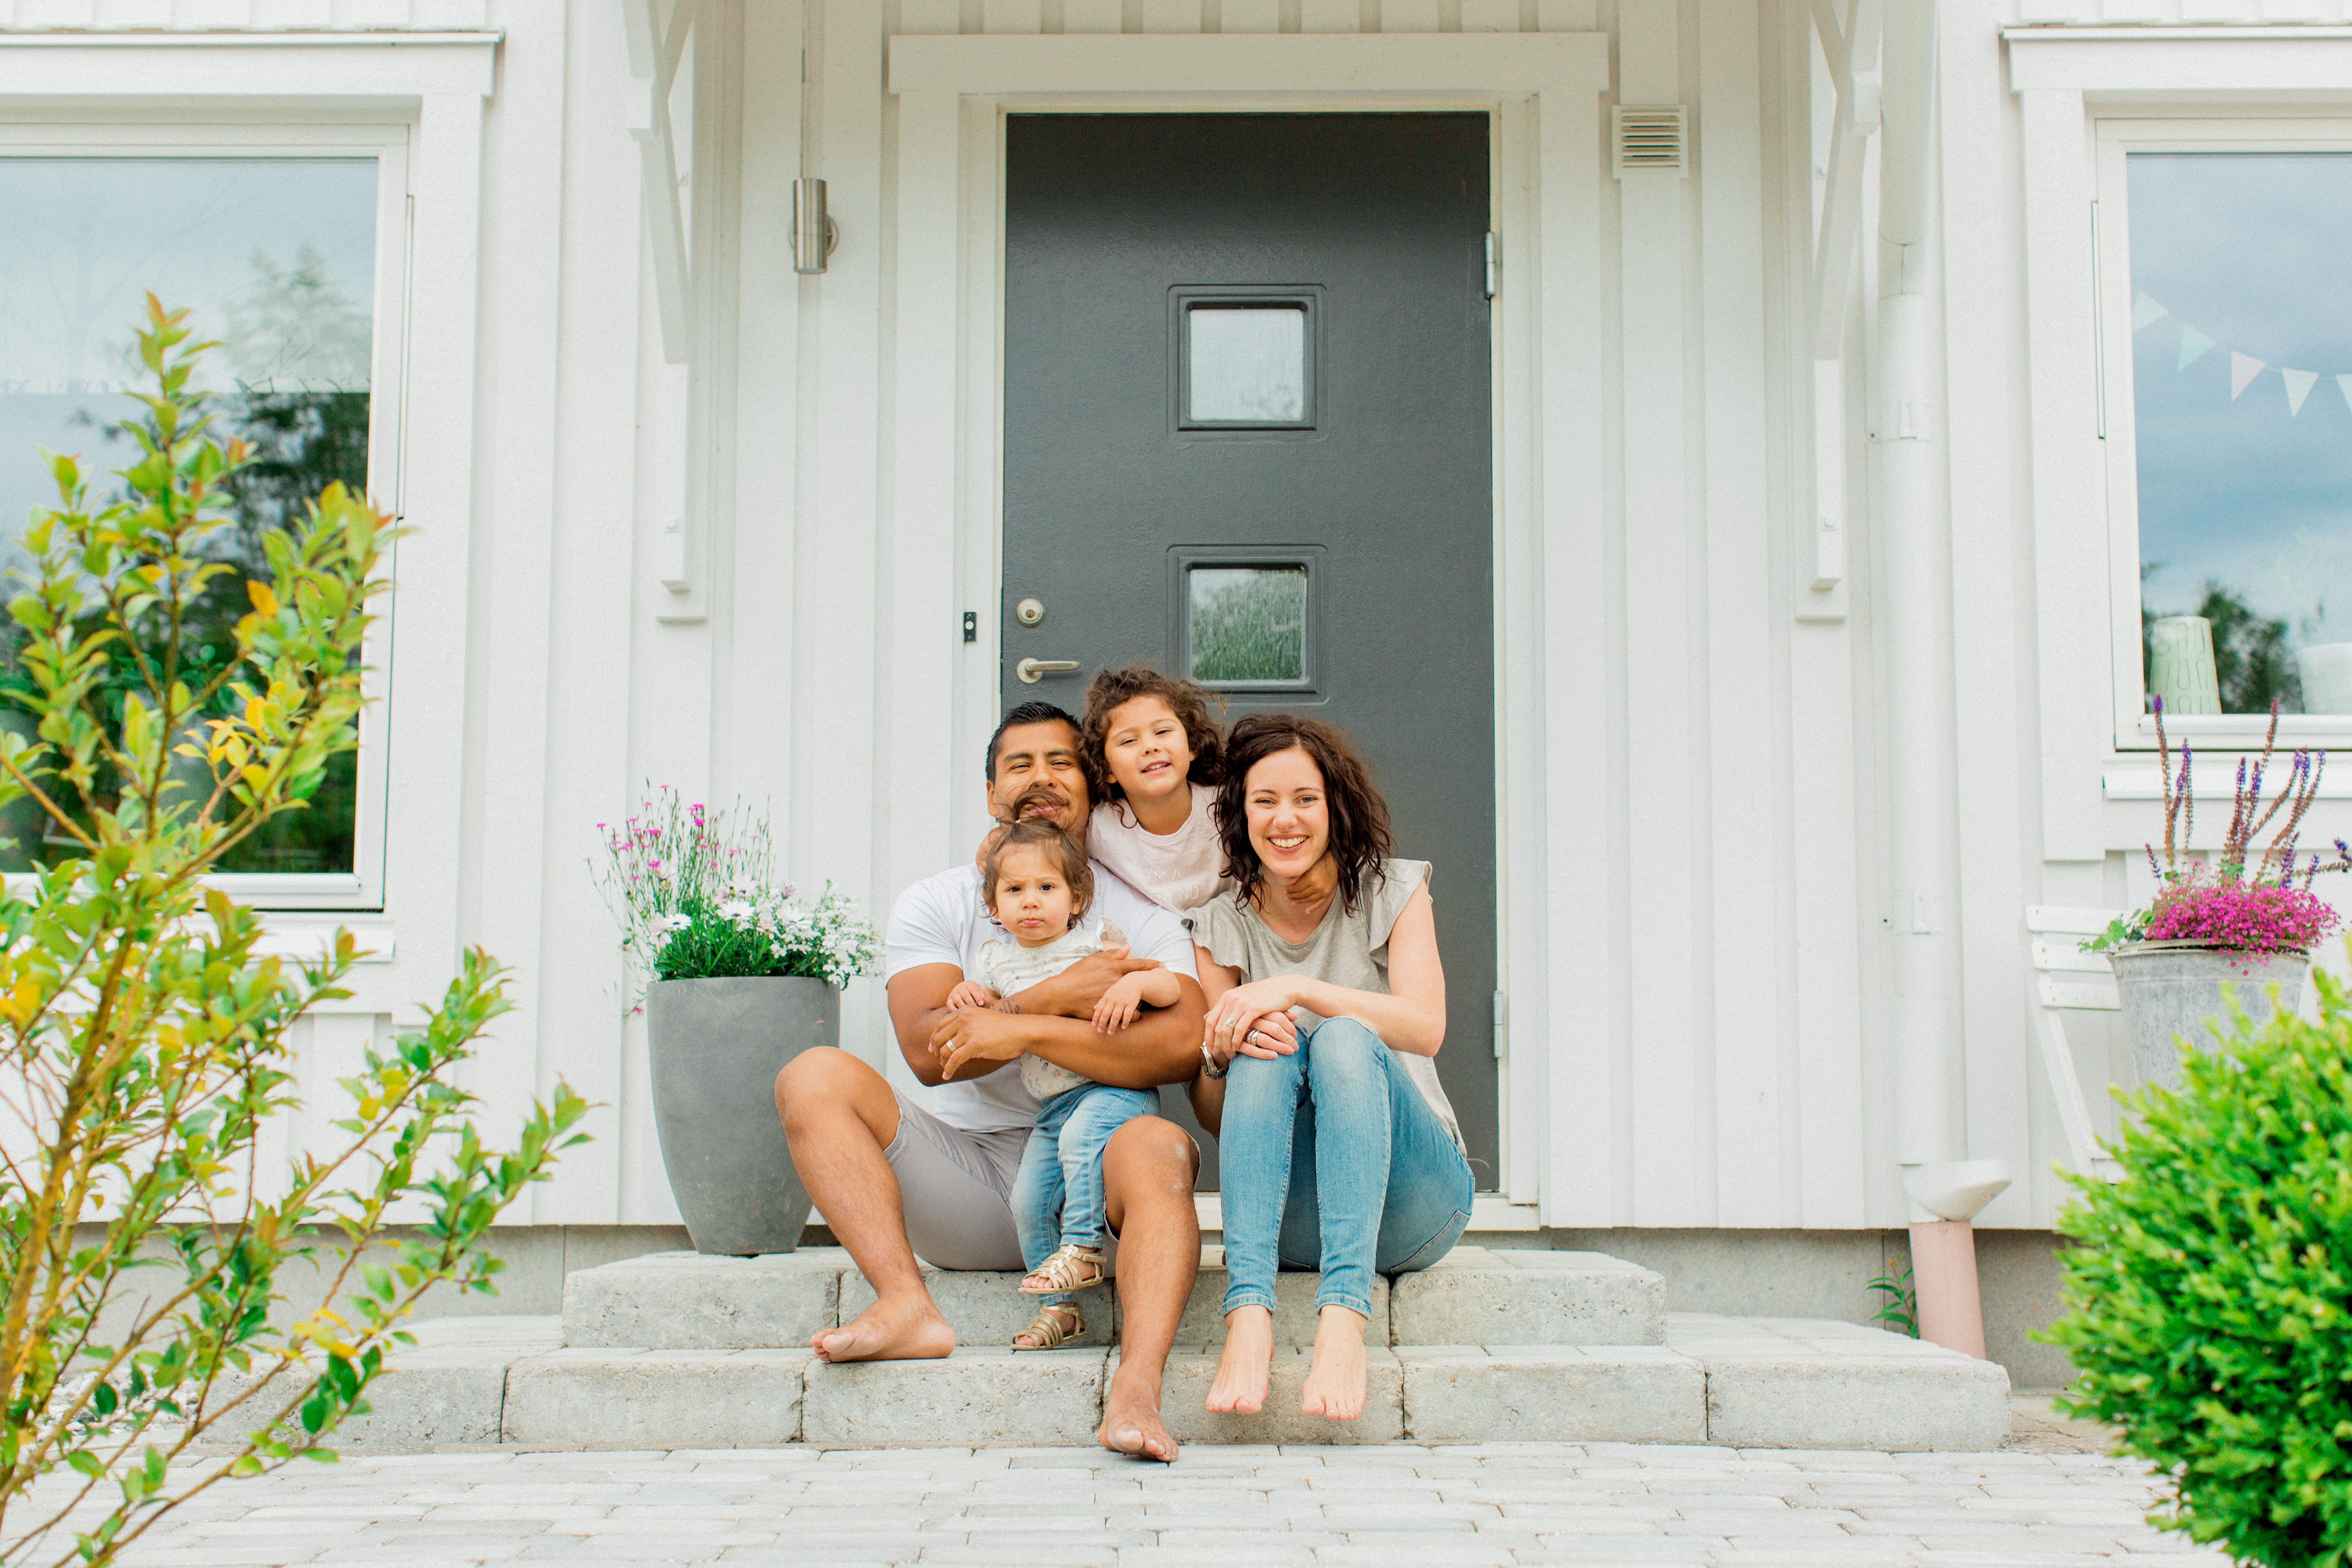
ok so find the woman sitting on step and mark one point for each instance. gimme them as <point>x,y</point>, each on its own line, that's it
<point>1327,1005</point>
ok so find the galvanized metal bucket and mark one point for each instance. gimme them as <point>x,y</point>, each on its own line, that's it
<point>717,1045</point>
<point>2172,992</point>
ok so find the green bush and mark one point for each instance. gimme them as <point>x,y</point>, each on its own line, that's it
<point>2210,1287</point>
<point>152,1251</point>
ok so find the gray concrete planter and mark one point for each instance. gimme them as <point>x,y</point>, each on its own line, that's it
<point>2172,990</point>
<point>717,1045</point>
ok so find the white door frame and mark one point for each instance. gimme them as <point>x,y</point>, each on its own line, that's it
<point>944,522</point>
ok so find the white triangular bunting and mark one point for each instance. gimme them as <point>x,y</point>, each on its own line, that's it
<point>2193,345</point>
<point>2299,384</point>
<point>2244,368</point>
<point>2146,309</point>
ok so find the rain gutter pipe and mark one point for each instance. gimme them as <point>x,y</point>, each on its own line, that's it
<point>1945,1190</point>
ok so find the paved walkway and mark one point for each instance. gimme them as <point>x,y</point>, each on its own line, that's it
<point>1220,1508</point>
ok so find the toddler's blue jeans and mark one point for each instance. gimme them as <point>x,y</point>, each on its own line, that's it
<point>1057,1196</point>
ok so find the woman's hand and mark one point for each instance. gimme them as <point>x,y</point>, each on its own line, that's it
<point>1234,1023</point>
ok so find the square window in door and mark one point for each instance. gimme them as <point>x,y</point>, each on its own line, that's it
<point>1246,618</point>
<point>1245,358</point>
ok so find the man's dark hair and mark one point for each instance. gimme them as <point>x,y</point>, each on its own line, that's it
<point>1359,816</point>
<point>1027,713</point>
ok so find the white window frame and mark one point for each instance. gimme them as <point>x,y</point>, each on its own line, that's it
<point>362,887</point>
<point>2095,779</point>
<point>2116,139</point>
<point>437,85</point>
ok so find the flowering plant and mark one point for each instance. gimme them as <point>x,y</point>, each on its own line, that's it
<point>695,894</point>
<point>2266,907</point>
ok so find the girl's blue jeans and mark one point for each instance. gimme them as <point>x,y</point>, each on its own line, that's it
<point>1057,1196</point>
<point>1329,1157</point>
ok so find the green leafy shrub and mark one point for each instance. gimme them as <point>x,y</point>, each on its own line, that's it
<point>2210,1287</point>
<point>144,1024</point>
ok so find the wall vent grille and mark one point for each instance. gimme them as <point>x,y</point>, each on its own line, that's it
<point>1651,139</point>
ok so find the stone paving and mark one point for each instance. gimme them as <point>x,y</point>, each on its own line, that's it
<point>2039,1502</point>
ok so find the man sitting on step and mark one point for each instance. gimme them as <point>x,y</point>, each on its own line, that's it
<point>894,1180</point>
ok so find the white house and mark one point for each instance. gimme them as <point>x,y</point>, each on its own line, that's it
<point>1721,450</point>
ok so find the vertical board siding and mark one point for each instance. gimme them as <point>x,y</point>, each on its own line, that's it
<point>1691,774</point>
<point>1754,1168</point>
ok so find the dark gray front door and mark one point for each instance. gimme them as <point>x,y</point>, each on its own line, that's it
<point>1246,438</point>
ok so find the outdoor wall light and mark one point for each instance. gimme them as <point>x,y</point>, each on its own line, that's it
<point>815,234</point>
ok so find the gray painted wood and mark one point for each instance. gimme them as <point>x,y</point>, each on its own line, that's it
<point>1379,220</point>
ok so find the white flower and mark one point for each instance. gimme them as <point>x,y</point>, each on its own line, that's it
<point>738,911</point>
<point>672,922</point>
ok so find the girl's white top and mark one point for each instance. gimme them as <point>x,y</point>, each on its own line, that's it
<point>1006,966</point>
<point>1180,870</point>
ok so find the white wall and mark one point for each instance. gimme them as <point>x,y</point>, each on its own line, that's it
<point>1718,1051</point>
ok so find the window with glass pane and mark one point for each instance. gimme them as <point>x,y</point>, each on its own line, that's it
<point>2241,391</point>
<point>1246,363</point>
<point>276,259</point>
<point>1246,625</point>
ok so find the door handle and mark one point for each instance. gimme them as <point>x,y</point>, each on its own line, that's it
<point>1031,670</point>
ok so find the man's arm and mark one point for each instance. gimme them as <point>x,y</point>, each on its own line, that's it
<point>919,999</point>
<point>1164,1048</point>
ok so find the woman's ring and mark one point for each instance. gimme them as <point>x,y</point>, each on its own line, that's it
<point>1253,1034</point>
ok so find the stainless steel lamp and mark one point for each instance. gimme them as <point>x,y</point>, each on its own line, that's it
<point>815,234</point>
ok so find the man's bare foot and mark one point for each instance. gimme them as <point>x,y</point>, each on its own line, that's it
<point>902,1328</point>
<point>1131,1422</point>
<point>1240,1370</point>
<point>1335,1383</point>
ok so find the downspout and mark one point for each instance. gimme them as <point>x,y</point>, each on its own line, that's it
<point>1945,1190</point>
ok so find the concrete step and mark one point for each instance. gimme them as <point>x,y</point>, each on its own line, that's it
<point>685,1300</point>
<point>1745,1382</point>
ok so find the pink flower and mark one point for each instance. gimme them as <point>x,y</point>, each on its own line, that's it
<point>2238,917</point>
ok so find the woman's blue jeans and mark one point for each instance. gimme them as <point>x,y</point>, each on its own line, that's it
<point>1329,1157</point>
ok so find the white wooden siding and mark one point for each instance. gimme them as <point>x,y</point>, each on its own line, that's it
<point>1692,757</point>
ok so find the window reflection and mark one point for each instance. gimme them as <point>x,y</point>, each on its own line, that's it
<point>276,259</point>
<point>2242,335</point>
<point>1246,363</point>
<point>1248,624</point>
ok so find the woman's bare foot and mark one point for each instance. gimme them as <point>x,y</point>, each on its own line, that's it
<point>901,1327</point>
<point>1131,1422</point>
<point>1240,1370</point>
<point>1335,1383</point>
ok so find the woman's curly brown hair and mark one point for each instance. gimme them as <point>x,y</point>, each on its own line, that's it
<point>1359,816</point>
<point>1189,701</point>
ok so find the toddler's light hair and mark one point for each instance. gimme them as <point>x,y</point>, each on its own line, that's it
<point>1059,851</point>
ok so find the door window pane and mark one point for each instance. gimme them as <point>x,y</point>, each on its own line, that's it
<point>1248,624</point>
<point>1246,363</point>
<point>276,259</point>
<point>2242,389</point>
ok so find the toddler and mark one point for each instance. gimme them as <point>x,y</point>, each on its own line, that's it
<point>1038,885</point>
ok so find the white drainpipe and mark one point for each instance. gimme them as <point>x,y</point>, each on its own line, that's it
<point>1914,535</point>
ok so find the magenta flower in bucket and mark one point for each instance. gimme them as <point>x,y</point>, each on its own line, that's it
<point>2242,903</point>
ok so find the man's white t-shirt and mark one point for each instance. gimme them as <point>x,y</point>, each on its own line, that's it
<point>941,920</point>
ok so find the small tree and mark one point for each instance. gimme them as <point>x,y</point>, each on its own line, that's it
<point>2211,1290</point>
<point>145,1031</point>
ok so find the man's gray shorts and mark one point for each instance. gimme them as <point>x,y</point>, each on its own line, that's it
<point>956,1187</point>
<point>956,1190</point>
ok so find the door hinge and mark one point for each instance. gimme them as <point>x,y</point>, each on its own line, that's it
<point>1502,1022</point>
<point>1494,264</point>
